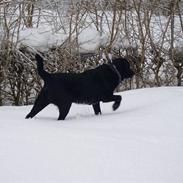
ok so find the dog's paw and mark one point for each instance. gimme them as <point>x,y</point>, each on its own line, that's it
<point>98,113</point>
<point>115,105</point>
<point>28,116</point>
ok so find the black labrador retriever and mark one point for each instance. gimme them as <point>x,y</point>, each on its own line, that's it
<point>90,87</point>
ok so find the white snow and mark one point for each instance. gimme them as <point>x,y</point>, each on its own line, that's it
<point>46,36</point>
<point>141,141</point>
<point>41,38</point>
<point>89,39</point>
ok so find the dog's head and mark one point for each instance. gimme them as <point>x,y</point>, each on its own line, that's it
<point>123,68</point>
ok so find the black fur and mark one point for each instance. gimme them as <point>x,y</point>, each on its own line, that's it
<point>90,87</point>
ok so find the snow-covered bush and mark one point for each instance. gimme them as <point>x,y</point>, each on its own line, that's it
<point>70,34</point>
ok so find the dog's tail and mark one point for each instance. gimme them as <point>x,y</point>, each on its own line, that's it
<point>40,67</point>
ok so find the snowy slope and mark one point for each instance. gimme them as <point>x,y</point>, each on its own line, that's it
<point>141,141</point>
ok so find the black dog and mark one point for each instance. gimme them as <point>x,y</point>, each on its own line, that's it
<point>90,87</point>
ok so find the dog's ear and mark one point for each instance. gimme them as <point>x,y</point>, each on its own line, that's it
<point>38,57</point>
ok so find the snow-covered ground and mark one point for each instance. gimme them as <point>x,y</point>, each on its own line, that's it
<point>141,141</point>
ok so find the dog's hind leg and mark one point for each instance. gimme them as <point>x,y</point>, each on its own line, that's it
<point>116,98</point>
<point>96,108</point>
<point>40,103</point>
<point>64,110</point>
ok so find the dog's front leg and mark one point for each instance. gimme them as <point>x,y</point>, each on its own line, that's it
<point>96,108</point>
<point>117,102</point>
<point>116,98</point>
<point>64,110</point>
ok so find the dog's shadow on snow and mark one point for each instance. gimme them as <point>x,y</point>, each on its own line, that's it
<point>103,117</point>
<point>89,116</point>
<point>80,117</point>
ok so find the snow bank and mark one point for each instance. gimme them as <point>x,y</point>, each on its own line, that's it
<point>41,38</point>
